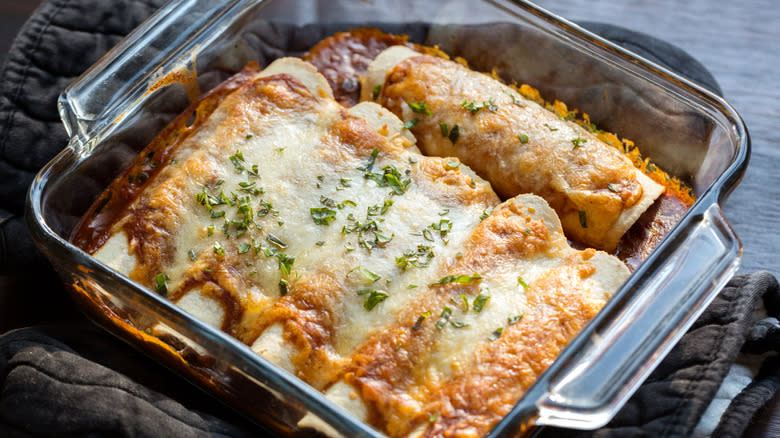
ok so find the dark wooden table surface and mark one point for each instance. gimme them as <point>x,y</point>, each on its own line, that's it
<point>739,43</point>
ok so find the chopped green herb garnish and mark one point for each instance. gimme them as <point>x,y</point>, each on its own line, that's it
<point>577,142</point>
<point>276,241</point>
<point>285,263</point>
<point>465,300</point>
<point>324,200</point>
<point>319,242</point>
<point>522,282</point>
<point>454,133</point>
<point>284,287</point>
<point>243,248</point>
<point>386,206</point>
<point>481,300</point>
<point>458,324</point>
<point>458,279</point>
<point>367,275</point>
<point>453,164</point>
<point>420,320</point>
<point>474,107</point>
<point>583,219</point>
<point>443,227</point>
<point>370,165</point>
<point>248,136</point>
<point>612,188</point>
<point>419,258</point>
<point>238,161</point>
<point>218,249</point>
<point>411,286</point>
<point>210,230</point>
<point>523,138</point>
<point>515,319</point>
<point>375,92</point>
<point>420,108</point>
<point>192,255</point>
<point>433,418</point>
<point>161,285</point>
<point>486,213</point>
<point>374,297</point>
<point>410,124</point>
<point>516,100</point>
<point>550,127</point>
<point>390,177</point>
<point>445,131</point>
<point>496,334</point>
<point>650,167</point>
<point>265,208</point>
<point>443,318</point>
<point>345,182</point>
<point>322,215</point>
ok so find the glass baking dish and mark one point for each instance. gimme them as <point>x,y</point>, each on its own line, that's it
<point>114,109</point>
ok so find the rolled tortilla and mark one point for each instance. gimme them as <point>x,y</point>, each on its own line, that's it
<point>513,142</point>
<point>462,354</point>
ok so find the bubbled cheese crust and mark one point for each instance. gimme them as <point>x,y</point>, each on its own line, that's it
<point>326,242</point>
<point>514,143</point>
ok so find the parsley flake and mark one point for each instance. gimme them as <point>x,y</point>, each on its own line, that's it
<point>322,215</point>
<point>420,320</point>
<point>496,334</point>
<point>218,249</point>
<point>481,300</point>
<point>420,108</point>
<point>238,161</point>
<point>577,142</point>
<point>374,297</point>
<point>161,284</point>
<point>522,282</point>
<point>583,219</point>
<point>523,138</point>
<point>410,124</point>
<point>284,287</point>
<point>443,318</point>
<point>515,319</point>
<point>486,213</point>
<point>458,279</point>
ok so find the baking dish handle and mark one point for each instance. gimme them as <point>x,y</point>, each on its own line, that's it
<point>662,302</point>
<point>119,81</point>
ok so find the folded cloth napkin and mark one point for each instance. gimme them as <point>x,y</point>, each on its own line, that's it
<point>76,380</point>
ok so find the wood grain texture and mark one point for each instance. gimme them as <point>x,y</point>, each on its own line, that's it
<point>738,43</point>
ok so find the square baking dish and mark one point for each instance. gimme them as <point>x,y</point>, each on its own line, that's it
<point>117,107</point>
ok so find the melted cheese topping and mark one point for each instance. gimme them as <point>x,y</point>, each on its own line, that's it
<point>328,244</point>
<point>514,143</point>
